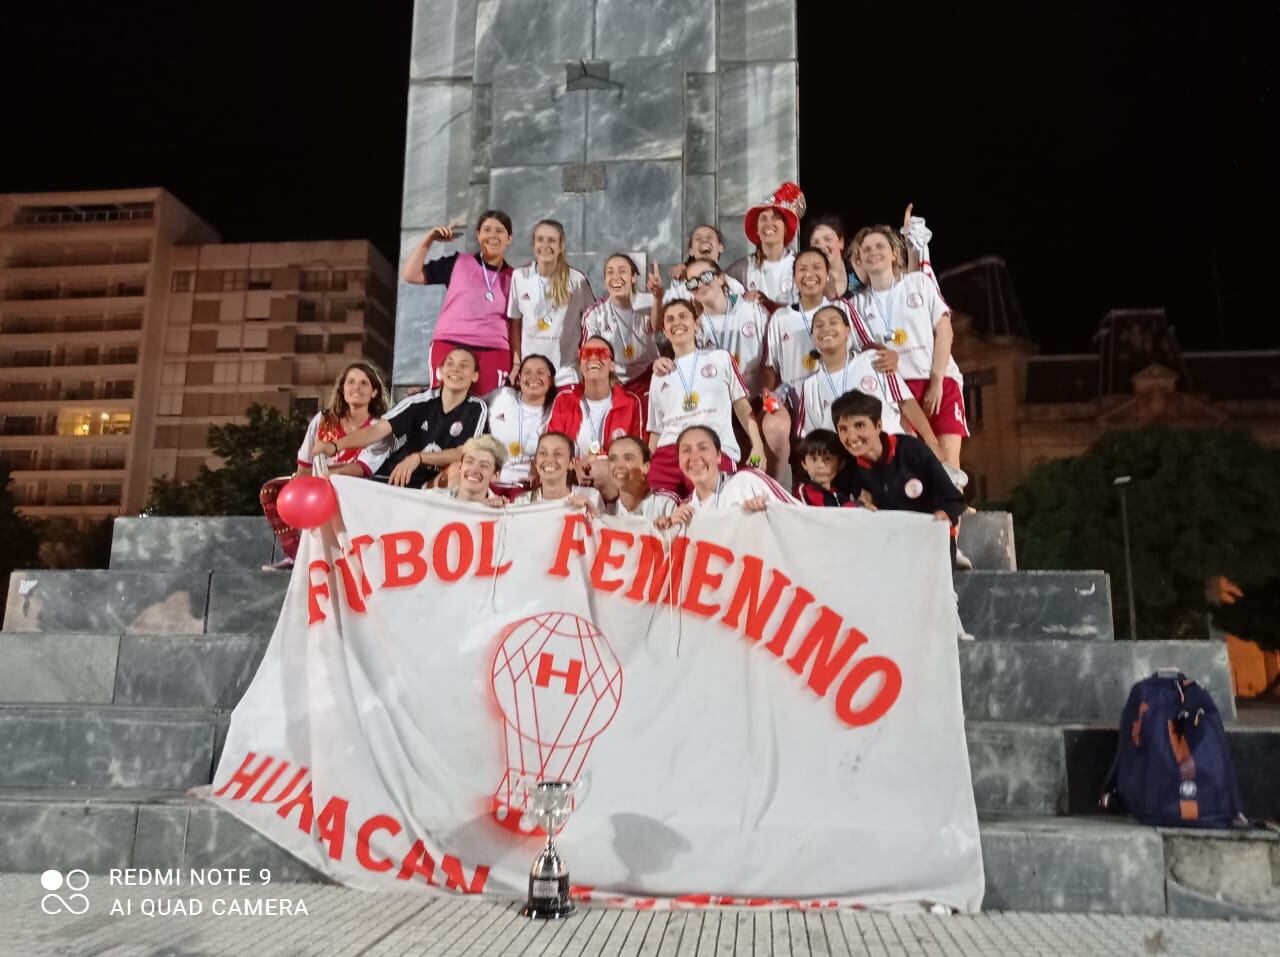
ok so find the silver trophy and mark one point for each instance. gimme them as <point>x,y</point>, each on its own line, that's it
<point>549,804</point>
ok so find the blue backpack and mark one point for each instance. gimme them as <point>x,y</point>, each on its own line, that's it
<point>1172,765</point>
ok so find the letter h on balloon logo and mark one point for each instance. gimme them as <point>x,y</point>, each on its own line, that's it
<point>558,685</point>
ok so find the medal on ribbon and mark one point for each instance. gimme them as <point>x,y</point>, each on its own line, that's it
<point>629,351</point>
<point>810,362</point>
<point>595,447</point>
<point>543,324</point>
<point>690,401</point>
<point>899,337</point>
<point>514,448</point>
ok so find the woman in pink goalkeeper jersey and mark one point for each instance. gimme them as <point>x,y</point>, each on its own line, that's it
<point>703,387</point>
<point>906,311</point>
<point>547,300</point>
<point>615,320</point>
<point>474,313</point>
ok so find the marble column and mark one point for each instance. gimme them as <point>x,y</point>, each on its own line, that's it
<point>630,123</point>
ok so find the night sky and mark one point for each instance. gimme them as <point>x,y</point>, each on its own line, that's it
<point>1111,153</point>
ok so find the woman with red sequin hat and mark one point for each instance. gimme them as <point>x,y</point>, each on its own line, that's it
<point>771,225</point>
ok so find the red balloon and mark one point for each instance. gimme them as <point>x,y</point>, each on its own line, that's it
<point>307,501</point>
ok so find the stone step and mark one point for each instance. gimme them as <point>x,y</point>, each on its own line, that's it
<point>246,542</point>
<point>987,539</point>
<point>195,543</point>
<point>994,605</point>
<point>1032,863</point>
<point>1033,606</point>
<point>1015,766</point>
<point>1054,681</point>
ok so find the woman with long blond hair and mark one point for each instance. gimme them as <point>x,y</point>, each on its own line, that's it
<point>358,399</point>
<point>546,303</point>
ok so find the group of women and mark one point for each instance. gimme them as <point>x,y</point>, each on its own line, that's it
<point>657,392</point>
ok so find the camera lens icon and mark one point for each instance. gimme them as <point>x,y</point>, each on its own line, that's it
<point>54,903</point>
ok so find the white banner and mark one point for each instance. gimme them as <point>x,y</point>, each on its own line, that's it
<point>785,728</point>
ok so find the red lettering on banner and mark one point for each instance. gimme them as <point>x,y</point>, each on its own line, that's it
<point>572,675</point>
<point>316,590</point>
<point>487,569</point>
<point>331,825</point>
<point>418,861</point>
<point>440,552</point>
<point>261,796</point>
<point>379,822</point>
<point>701,577</point>
<point>244,777</point>
<point>747,596</point>
<point>454,879</point>
<point>303,801</point>
<point>884,698</point>
<point>799,601</point>
<point>819,643</point>
<point>570,543</point>
<point>354,599</point>
<point>605,558</point>
<point>400,549</point>
<point>358,545</point>
<point>656,567</point>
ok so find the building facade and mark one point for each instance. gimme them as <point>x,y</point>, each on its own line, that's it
<point>1025,408</point>
<point>126,329</point>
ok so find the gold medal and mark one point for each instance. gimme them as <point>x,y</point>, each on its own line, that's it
<point>514,448</point>
<point>544,324</point>
<point>899,337</point>
<point>629,351</point>
<point>810,362</point>
<point>691,401</point>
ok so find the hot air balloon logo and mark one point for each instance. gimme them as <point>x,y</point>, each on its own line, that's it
<point>558,685</point>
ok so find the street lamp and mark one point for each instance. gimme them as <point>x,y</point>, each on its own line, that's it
<point>1120,482</point>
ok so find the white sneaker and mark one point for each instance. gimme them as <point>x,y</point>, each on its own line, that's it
<point>959,477</point>
<point>963,635</point>
<point>963,563</point>
<point>284,565</point>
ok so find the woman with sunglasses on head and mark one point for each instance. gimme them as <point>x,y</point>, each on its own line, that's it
<point>547,300</point>
<point>698,448</point>
<point>517,417</point>
<point>706,243</point>
<point>554,478</point>
<point>627,329</point>
<point>704,387</point>
<point>474,312</point>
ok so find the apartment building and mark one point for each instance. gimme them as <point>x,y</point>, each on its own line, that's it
<point>126,329</point>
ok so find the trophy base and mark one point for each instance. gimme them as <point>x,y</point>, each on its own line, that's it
<point>548,910</point>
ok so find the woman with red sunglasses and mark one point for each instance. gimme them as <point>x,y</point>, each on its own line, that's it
<point>595,411</point>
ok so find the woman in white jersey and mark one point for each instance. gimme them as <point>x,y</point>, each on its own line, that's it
<point>771,226</point>
<point>839,372</point>
<point>728,321</point>
<point>704,387</point>
<point>546,303</point>
<point>629,460</point>
<point>616,320</point>
<point>906,311</point>
<point>553,476</point>
<point>699,453</point>
<point>517,417</point>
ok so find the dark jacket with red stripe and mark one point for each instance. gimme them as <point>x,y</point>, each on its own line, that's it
<point>811,493</point>
<point>623,417</point>
<point>907,477</point>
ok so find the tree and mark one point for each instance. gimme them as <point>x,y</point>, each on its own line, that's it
<point>263,448</point>
<point>1253,614</point>
<point>1202,503</point>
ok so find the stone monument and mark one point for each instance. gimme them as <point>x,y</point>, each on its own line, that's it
<point>628,122</point>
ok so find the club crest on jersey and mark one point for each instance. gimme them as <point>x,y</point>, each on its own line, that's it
<point>915,300</point>
<point>617,434</point>
<point>749,330</point>
<point>914,488</point>
<point>456,429</point>
<point>708,372</point>
<point>868,383</point>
